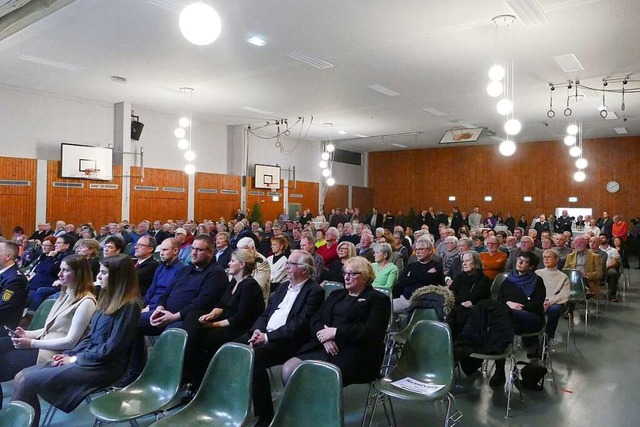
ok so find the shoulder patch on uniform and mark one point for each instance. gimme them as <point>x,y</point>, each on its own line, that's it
<point>7,295</point>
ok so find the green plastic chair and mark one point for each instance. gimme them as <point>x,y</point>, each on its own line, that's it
<point>418,314</point>
<point>497,284</point>
<point>577,294</point>
<point>224,398</point>
<point>330,287</point>
<point>17,414</point>
<point>156,387</point>
<point>427,358</point>
<point>41,314</point>
<point>513,372</point>
<point>312,397</point>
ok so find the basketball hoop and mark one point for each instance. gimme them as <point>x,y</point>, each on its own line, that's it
<point>274,192</point>
<point>91,172</point>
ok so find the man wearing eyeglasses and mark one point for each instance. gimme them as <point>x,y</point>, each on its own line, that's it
<point>282,328</point>
<point>425,271</point>
<point>145,266</point>
<point>197,286</point>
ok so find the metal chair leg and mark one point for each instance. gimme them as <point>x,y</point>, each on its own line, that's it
<point>452,419</point>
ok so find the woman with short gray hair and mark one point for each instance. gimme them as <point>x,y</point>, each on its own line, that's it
<point>386,272</point>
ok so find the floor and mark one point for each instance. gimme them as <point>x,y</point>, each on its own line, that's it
<point>595,384</point>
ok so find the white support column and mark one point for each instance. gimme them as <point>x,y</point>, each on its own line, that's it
<point>285,195</point>
<point>350,197</point>
<point>243,171</point>
<point>122,143</point>
<point>41,192</point>
<point>191,197</point>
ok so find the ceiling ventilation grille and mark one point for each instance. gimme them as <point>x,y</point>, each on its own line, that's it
<point>309,60</point>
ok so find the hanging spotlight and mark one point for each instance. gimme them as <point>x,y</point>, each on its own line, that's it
<point>569,140</point>
<point>512,127</point>
<point>504,106</point>
<point>495,89</point>
<point>200,24</point>
<point>326,173</point>
<point>496,73</point>
<point>581,163</point>
<point>551,114</point>
<point>184,122</point>
<point>324,156</point>
<point>507,148</point>
<point>183,144</point>
<point>179,133</point>
<point>323,164</point>
<point>331,182</point>
<point>189,156</point>
<point>330,148</point>
<point>575,151</point>
<point>579,176</point>
<point>190,169</point>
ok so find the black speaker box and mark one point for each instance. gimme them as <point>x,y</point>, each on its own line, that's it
<point>136,130</point>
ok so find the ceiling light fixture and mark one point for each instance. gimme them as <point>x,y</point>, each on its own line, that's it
<point>575,151</point>
<point>324,156</point>
<point>579,176</point>
<point>507,148</point>
<point>200,24</point>
<point>323,164</point>
<point>331,182</point>
<point>257,41</point>
<point>185,123</point>
<point>569,140</point>
<point>330,148</point>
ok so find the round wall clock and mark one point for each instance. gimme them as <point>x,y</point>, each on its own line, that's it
<point>613,187</point>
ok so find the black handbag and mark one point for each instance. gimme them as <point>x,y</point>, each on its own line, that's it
<point>531,375</point>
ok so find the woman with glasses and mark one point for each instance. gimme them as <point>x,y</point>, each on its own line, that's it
<point>524,292</point>
<point>239,307</point>
<point>98,360</point>
<point>350,327</point>
<point>333,272</point>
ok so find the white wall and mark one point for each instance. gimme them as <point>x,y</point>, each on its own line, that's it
<point>33,125</point>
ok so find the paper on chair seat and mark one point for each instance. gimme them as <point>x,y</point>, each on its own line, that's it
<point>416,386</point>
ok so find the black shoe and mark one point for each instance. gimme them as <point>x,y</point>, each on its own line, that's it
<point>498,379</point>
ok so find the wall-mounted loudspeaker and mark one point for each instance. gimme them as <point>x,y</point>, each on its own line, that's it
<point>136,130</point>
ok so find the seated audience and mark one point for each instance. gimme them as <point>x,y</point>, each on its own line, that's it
<point>425,271</point>
<point>587,263</point>
<point>262,271</point>
<point>524,292</point>
<point>386,273</point>
<point>184,254</point>
<point>612,267</point>
<point>13,285</point>
<point>278,261</point>
<point>307,244</point>
<point>349,329</point>
<point>329,251</point>
<point>469,287</point>
<point>145,265</point>
<point>235,312</point>
<point>90,249</point>
<point>101,357</point>
<point>558,290</point>
<point>493,260</point>
<point>67,322</point>
<point>333,273</point>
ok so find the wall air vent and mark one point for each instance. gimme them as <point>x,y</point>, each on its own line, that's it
<point>145,188</point>
<point>207,190</point>
<point>68,184</point>
<point>256,193</point>
<point>103,186</point>
<point>173,189</point>
<point>228,191</point>
<point>15,183</point>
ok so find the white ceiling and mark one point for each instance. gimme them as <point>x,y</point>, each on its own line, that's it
<point>435,54</point>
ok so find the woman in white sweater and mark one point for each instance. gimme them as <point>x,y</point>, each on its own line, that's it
<point>67,322</point>
<point>558,290</point>
<point>278,261</point>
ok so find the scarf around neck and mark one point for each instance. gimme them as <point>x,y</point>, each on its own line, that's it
<point>526,282</point>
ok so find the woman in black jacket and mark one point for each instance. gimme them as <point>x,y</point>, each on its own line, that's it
<point>469,287</point>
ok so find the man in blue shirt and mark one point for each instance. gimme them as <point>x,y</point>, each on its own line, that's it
<point>197,286</point>
<point>163,277</point>
<point>13,286</point>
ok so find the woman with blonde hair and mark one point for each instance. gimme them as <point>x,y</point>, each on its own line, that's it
<point>278,261</point>
<point>101,358</point>
<point>333,272</point>
<point>66,324</point>
<point>350,327</point>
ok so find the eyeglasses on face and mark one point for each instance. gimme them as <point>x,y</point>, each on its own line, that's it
<point>351,273</point>
<point>291,264</point>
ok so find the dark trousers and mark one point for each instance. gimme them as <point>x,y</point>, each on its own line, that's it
<point>138,347</point>
<point>266,356</point>
<point>553,317</point>
<point>13,360</point>
<point>612,281</point>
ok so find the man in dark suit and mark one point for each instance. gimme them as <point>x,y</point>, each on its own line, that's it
<point>282,328</point>
<point>375,220</point>
<point>13,286</point>
<point>145,266</point>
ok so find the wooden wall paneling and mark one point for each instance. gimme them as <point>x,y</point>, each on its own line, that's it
<point>543,170</point>
<point>309,192</point>
<point>362,198</point>
<point>336,197</point>
<point>268,208</point>
<point>85,204</point>
<point>216,205</point>
<point>18,202</point>
<point>162,204</point>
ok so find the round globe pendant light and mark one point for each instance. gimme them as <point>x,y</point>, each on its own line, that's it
<point>579,176</point>
<point>504,106</point>
<point>200,24</point>
<point>512,126</point>
<point>507,148</point>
